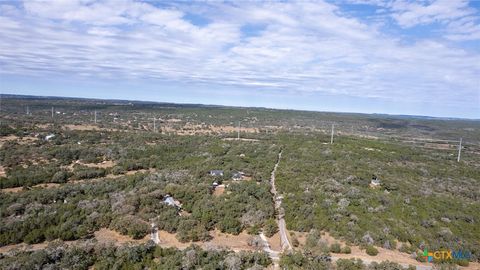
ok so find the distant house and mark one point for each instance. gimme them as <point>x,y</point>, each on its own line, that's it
<point>172,202</point>
<point>236,176</point>
<point>216,173</point>
<point>375,182</point>
<point>49,136</point>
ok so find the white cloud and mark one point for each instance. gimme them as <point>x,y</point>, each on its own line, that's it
<point>460,21</point>
<point>305,47</point>
<point>409,14</point>
<point>466,28</point>
<point>162,17</point>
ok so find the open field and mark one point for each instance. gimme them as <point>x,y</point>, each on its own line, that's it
<point>109,181</point>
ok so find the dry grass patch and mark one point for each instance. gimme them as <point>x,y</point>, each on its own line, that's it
<point>23,247</point>
<point>170,240</point>
<point>47,185</point>
<point>440,146</point>
<point>81,127</point>
<point>241,139</point>
<point>219,190</point>
<point>2,172</point>
<point>234,242</point>
<point>84,127</point>
<point>23,140</point>
<point>174,120</point>
<point>103,164</point>
<point>192,129</point>
<point>12,190</point>
<point>274,242</point>
<point>219,241</point>
<point>108,236</point>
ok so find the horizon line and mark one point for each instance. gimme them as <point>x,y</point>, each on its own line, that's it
<point>246,107</point>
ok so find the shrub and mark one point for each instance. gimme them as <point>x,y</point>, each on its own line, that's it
<point>60,177</point>
<point>34,237</point>
<point>462,262</point>
<point>406,248</point>
<point>253,230</point>
<point>129,225</point>
<point>335,248</point>
<point>139,230</point>
<point>312,239</point>
<point>384,265</point>
<point>295,241</point>
<point>116,170</point>
<point>230,225</point>
<point>270,227</point>
<point>346,250</point>
<point>371,250</point>
<point>350,264</point>
<point>6,130</point>
<point>88,173</point>
<point>293,260</point>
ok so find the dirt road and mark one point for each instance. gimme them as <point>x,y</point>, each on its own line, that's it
<point>285,243</point>
<point>274,255</point>
<point>154,234</point>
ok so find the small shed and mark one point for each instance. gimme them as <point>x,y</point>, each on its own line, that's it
<point>171,201</point>
<point>375,182</point>
<point>216,173</point>
<point>236,176</point>
<point>49,136</point>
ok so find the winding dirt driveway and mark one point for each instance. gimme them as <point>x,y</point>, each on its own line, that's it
<point>285,243</point>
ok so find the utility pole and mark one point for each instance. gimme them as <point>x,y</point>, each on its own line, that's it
<point>154,126</point>
<point>28,110</point>
<point>52,112</point>
<point>95,117</point>
<point>238,131</point>
<point>331,137</point>
<point>459,150</point>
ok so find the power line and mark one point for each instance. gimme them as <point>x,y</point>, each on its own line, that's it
<point>331,137</point>
<point>459,150</point>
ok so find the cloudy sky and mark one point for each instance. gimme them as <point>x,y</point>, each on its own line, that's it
<point>398,57</point>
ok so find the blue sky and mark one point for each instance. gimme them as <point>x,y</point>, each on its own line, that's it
<point>397,57</point>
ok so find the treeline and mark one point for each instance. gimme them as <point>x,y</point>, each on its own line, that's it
<point>298,260</point>
<point>88,255</point>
